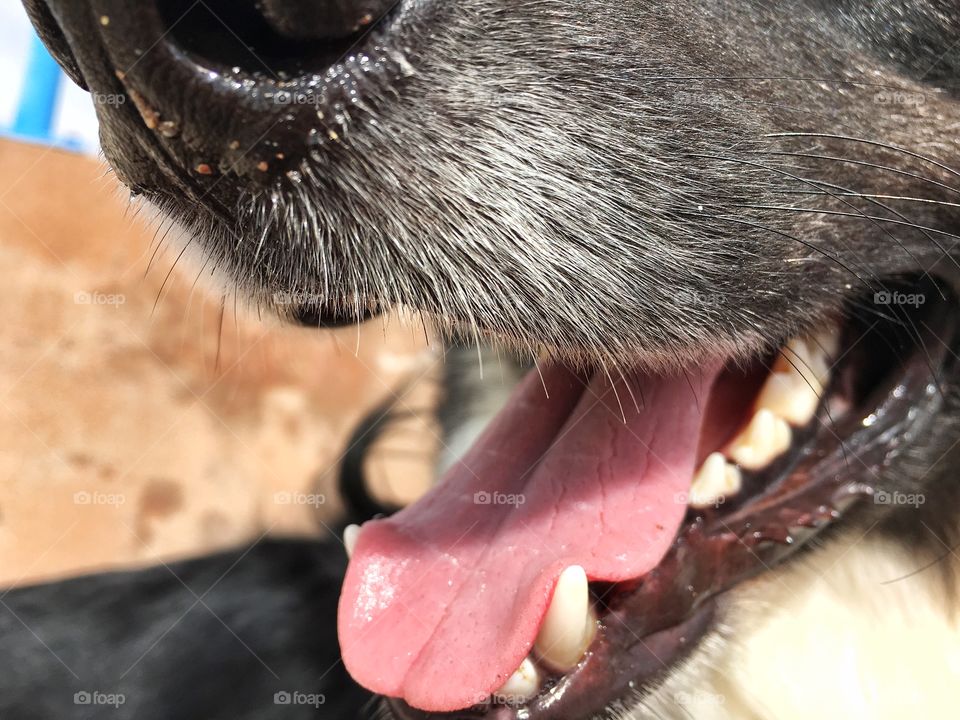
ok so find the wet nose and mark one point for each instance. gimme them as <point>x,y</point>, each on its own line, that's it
<point>240,88</point>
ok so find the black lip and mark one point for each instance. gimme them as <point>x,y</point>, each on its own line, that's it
<point>654,621</point>
<point>311,315</point>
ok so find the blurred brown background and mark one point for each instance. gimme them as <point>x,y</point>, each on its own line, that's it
<point>135,429</point>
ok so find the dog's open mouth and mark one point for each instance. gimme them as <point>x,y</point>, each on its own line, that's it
<point>581,545</point>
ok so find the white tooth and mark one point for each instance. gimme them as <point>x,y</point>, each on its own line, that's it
<point>808,357</point>
<point>350,536</point>
<point>800,375</point>
<point>522,685</point>
<point>714,482</point>
<point>828,340</point>
<point>787,394</point>
<point>570,625</point>
<point>762,440</point>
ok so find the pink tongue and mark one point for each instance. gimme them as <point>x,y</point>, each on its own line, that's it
<point>442,601</point>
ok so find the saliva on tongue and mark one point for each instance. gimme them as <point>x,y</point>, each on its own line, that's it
<point>444,600</point>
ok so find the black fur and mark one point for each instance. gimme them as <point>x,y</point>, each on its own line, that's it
<point>208,639</point>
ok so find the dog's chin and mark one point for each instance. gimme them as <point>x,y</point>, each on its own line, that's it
<point>806,439</point>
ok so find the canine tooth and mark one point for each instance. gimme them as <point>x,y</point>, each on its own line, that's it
<point>522,685</point>
<point>350,536</point>
<point>569,625</point>
<point>788,395</point>
<point>763,439</point>
<point>714,481</point>
<point>828,340</point>
<point>808,357</point>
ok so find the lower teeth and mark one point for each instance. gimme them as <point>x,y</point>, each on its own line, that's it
<point>568,629</point>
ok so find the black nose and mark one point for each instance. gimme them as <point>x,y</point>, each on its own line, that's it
<point>231,94</point>
<point>321,19</point>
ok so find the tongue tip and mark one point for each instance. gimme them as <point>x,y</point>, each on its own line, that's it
<point>421,678</point>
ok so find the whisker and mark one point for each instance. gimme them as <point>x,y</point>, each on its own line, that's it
<point>816,183</point>
<point>877,219</point>
<point>169,275</point>
<point>862,163</point>
<point>160,244</point>
<point>629,389</point>
<point>903,198</point>
<point>874,143</point>
<point>615,393</point>
<point>820,211</point>
<point>760,226</point>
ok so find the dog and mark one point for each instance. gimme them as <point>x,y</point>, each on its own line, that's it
<point>722,237</point>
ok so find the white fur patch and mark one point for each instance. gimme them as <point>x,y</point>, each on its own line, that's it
<point>841,633</point>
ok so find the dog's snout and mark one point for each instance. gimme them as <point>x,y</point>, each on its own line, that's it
<point>322,19</point>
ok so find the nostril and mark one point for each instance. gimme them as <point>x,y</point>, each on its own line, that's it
<point>269,37</point>
<point>322,19</point>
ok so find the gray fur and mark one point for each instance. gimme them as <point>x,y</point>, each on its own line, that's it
<point>600,180</point>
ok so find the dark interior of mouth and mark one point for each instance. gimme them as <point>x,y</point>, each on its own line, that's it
<point>227,34</point>
<point>446,599</point>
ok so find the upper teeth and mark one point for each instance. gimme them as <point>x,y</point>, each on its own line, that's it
<point>799,376</point>
<point>764,438</point>
<point>789,397</point>
<point>715,479</point>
